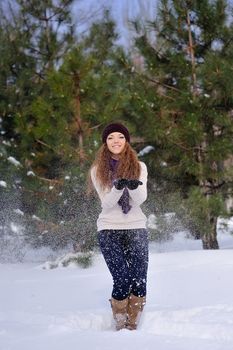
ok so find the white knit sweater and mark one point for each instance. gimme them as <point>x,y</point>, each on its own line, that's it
<point>111,216</point>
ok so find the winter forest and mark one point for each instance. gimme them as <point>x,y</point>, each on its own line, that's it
<point>170,82</point>
<point>69,67</point>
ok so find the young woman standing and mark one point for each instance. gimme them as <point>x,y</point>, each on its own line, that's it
<point>120,180</point>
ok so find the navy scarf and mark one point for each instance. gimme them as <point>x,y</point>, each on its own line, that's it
<point>124,200</point>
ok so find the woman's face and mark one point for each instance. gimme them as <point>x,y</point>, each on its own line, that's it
<point>116,143</point>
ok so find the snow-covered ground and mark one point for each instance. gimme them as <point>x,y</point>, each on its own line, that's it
<point>189,304</point>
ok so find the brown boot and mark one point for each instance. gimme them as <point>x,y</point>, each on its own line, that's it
<point>135,307</point>
<point>119,310</point>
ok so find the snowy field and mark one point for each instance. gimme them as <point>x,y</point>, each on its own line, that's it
<point>189,304</point>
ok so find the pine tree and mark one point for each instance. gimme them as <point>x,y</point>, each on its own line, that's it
<point>87,90</point>
<point>187,71</point>
<point>34,38</point>
<point>49,29</point>
<point>63,104</point>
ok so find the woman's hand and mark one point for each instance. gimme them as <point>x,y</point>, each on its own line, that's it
<point>120,183</point>
<point>133,184</point>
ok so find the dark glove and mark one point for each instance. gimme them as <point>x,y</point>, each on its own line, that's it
<point>120,184</point>
<point>133,184</point>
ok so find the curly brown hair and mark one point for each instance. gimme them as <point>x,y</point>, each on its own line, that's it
<point>128,167</point>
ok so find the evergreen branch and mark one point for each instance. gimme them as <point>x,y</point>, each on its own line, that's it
<point>60,182</point>
<point>58,11</point>
<point>212,185</point>
<point>96,126</point>
<point>166,96</point>
<point>40,75</point>
<point>87,18</point>
<point>181,146</point>
<point>48,146</point>
<point>37,51</point>
<point>162,84</point>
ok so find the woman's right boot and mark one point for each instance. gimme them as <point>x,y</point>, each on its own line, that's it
<point>119,310</point>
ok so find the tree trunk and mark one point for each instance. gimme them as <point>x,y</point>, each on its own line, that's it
<point>192,56</point>
<point>79,123</point>
<point>209,240</point>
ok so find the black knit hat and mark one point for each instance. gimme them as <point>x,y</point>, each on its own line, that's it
<point>115,127</point>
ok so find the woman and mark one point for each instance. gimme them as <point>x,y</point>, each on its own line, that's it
<point>120,181</point>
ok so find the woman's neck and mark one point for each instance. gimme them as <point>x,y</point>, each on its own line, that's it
<point>115,156</point>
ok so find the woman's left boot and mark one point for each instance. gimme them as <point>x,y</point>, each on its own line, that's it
<point>135,308</point>
<point>119,310</point>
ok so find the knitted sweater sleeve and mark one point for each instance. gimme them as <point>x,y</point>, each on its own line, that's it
<point>139,195</point>
<point>108,198</point>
